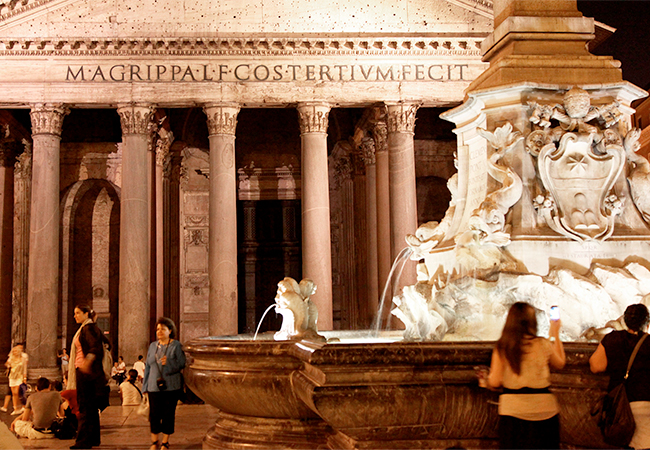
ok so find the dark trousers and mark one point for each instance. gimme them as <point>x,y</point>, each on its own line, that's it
<point>162,411</point>
<point>88,401</point>
<point>518,433</point>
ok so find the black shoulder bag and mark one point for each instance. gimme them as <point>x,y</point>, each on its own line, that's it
<point>614,415</point>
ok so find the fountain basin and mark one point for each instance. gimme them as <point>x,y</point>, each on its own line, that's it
<point>385,394</point>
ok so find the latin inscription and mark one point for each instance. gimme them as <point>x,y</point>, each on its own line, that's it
<point>267,73</point>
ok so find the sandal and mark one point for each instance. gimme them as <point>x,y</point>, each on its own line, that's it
<point>164,445</point>
<point>154,446</point>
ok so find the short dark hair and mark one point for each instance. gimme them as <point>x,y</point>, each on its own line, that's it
<point>169,323</point>
<point>57,385</point>
<point>42,383</point>
<point>140,357</point>
<point>636,316</point>
<point>133,374</point>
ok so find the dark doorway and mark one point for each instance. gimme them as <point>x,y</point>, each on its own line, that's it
<point>269,250</point>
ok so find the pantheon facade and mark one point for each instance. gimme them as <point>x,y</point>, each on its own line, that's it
<point>181,158</point>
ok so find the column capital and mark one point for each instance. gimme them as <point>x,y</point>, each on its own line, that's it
<point>47,118</point>
<point>135,118</point>
<point>163,143</point>
<point>313,117</point>
<point>222,118</point>
<point>400,117</point>
<point>380,135</point>
<point>367,149</point>
<point>23,164</point>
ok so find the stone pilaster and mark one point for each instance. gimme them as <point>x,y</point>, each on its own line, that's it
<point>403,198</point>
<point>369,158</point>
<point>382,189</point>
<point>8,149</point>
<point>22,200</point>
<point>222,250</point>
<point>43,275</point>
<point>316,237</point>
<point>135,262</point>
<point>163,142</point>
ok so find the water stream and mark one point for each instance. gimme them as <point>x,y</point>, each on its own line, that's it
<point>400,261</point>
<point>259,324</point>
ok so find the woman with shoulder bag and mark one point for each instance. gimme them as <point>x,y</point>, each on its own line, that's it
<point>612,356</point>
<point>86,375</point>
<point>529,414</point>
<point>163,381</point>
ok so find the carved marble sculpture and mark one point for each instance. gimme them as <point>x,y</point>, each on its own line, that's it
<point>638,175</point>
<point>299,313</point>
<point>578,164</point>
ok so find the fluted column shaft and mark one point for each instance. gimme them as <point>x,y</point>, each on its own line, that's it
<point>135,256</point>
<point>403,197</point>
<point>316,237</point>
<point>162,154</point>
<point>222,251</point>
<point>43,276</point>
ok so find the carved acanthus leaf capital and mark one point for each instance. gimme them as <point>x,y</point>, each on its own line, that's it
<point>222,118</point>
<point>48,118</point>
<point>23,164</point>
<point>135,119</point>
<point>367,149</point>
<point>163,143</point>
<point>401,117</point>
<point>313,117</point>
<point>380,135</point>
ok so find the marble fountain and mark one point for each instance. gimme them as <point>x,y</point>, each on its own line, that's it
<point>560,218</point>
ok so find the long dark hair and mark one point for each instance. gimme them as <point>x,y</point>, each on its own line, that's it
<point>521,324</point>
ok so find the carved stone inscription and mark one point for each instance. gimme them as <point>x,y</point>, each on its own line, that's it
<point>270,72</point>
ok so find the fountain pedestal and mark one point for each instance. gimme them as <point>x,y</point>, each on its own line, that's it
<point>378,395</point>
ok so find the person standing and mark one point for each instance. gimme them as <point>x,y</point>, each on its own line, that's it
<point>612,356</point>
<point>63,356</point>
<point>521,362</point>
<point>163,381</point>
<point>87,376</point>
<point>17,373</point>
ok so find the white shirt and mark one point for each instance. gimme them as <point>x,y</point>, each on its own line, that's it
<point>139,366</point>
<point>130,395</point>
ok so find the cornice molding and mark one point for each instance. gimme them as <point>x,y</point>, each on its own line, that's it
<point>439,45</point>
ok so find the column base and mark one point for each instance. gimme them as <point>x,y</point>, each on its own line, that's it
<point>51,373</point>
<point>232,432</point>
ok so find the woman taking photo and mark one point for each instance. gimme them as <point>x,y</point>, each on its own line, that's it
<point>17,373</point>
<point>528,411</point>
<point>163,381</point>
<point>86,375</point>
<point>613,354</point>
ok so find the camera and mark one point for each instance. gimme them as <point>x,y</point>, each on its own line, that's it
<point>554,313</point>
<point>161,383</point>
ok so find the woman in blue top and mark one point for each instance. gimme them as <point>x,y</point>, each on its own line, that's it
<point>163,381</point>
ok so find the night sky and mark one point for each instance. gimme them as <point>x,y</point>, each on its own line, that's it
<point>631,42</point>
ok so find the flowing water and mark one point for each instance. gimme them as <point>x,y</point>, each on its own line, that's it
<point>400,261</point>
<point>259,324</point>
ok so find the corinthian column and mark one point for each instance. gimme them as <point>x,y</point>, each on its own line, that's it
<point>222,251</point>
<point>403,198</point>
<point>135,262</point>
<point>316,238</point>
<point>43,276</point>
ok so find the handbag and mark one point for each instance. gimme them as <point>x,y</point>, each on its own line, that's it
<point>614,414</point>
<point>143,408</point>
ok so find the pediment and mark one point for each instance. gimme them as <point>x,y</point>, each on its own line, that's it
<point>78,19</point>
